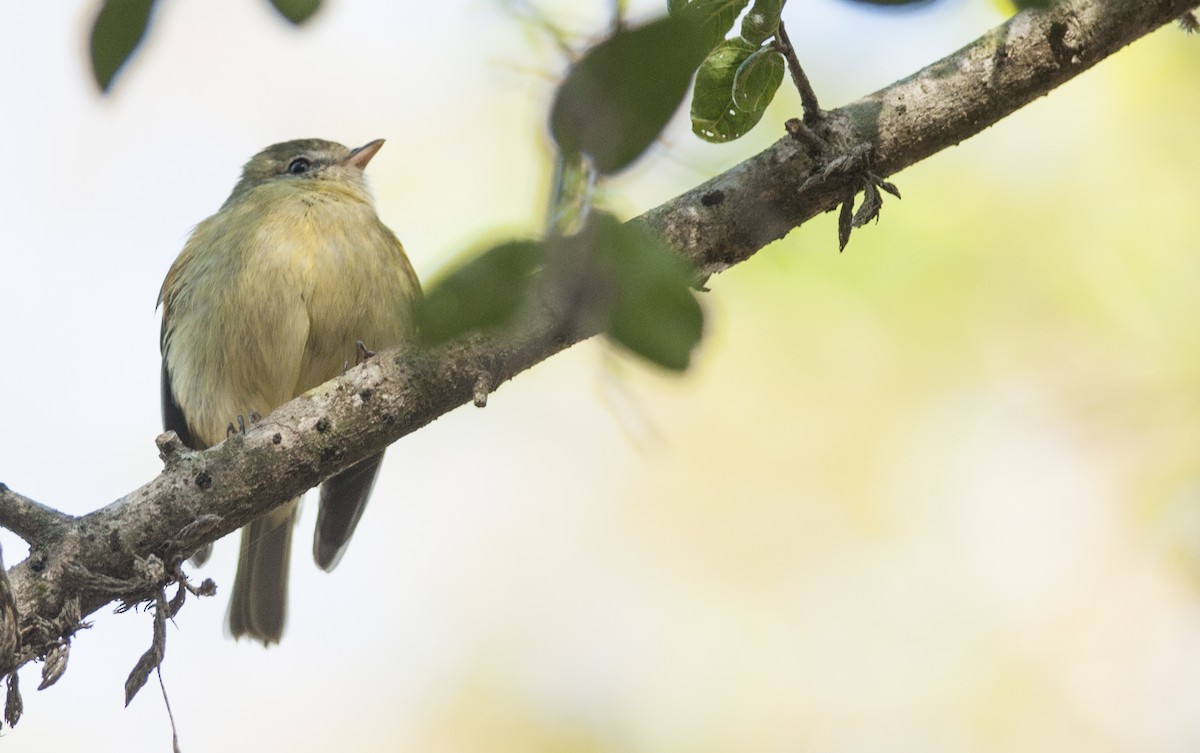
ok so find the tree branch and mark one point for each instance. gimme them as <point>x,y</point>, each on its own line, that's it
<point>77,565</point>
<point>32,521</point>
<point>727,219</point>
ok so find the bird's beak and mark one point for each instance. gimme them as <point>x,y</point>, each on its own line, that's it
<point>361,156</point>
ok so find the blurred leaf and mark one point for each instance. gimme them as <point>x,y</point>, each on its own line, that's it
<point>715,116</point>
<point>656,314</point>
<point>714,17</point>
<point>619,96</point>
<point>297,11</point>
<point>757,80</point>
<point>482,294</point>
<point>761,23</point>
<point>674,7</point>
<point>116,33</point>
<point>644,290</point>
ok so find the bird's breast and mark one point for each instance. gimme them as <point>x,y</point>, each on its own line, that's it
<point>350,274</point>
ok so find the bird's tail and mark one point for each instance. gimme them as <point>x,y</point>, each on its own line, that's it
<point>258,605</point>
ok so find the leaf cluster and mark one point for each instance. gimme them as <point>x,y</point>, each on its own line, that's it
<point>740,75</point>
<point>615,278</point>
<point>611,106</point>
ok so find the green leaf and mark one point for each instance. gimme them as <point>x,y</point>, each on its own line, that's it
<point>618,97</point>
<point>761,23</point>
<point>642,288</point>
<point>297,11</point>
<point>757,80</point>
<point>481,294</point>
<point>714,17</point>
<point>117,31</point>
<point>675,7</point>
<point>656,314</point>
<point>716,116</point>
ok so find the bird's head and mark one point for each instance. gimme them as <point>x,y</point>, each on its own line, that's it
<point>313,164</point>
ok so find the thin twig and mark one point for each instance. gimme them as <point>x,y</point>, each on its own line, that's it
<point>618,15</point>
<point>808,97</point>
<point>170,715</point>
<point>816,145</point>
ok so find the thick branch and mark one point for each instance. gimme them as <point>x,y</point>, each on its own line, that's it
<point>201,496</point>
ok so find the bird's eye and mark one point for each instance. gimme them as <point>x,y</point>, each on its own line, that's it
<point>299,166</point>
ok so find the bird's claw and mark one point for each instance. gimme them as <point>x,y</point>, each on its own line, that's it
<point>362,352</point>
<point>230,430</point>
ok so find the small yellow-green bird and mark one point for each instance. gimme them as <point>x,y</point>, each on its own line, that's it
<point>267,300</point>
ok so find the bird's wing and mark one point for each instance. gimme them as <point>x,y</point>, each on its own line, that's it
<point>173,420</point>
<point>172,414</point>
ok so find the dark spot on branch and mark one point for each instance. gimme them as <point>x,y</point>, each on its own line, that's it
<point>114,540</point>
<point>1057,39</point>
<point>38,563</point>
<point>389,419</point>
<point>322,424</point>
<point>277,439</point>
<point>366,395</point>
<point>713,198</point>
<point>203,479</point>
<point>1001,56</point>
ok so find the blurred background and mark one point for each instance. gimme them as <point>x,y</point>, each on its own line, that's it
<point>940,492</point>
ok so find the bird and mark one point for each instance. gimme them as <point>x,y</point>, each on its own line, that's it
<point>272,295</point>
